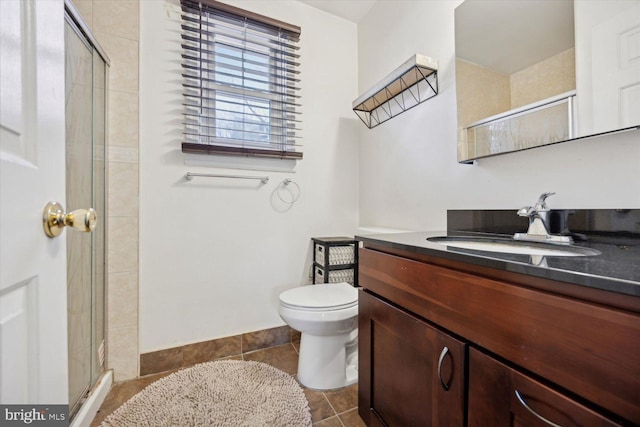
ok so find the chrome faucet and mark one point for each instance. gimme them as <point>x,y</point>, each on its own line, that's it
<point>539,223</point>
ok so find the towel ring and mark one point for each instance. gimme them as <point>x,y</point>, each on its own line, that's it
<point>294,198</point>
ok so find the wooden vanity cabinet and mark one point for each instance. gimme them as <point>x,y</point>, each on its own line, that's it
<point>573,359</point>
<point>412,373</point>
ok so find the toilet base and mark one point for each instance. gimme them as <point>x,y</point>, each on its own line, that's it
<point>328,362</point>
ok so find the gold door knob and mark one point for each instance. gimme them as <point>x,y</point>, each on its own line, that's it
<point>55,219</point>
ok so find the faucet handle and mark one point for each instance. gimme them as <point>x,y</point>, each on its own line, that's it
<point>524,211</point>
<point>541,204</point>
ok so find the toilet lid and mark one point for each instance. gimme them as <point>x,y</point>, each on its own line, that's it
<point>332,296</point>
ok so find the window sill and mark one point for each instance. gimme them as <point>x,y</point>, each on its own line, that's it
<point>239,161</point>
<point>237,151</point>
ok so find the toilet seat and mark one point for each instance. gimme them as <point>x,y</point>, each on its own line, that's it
<point>321,297</point>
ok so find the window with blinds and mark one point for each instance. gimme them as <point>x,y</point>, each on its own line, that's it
<point>240,82</point>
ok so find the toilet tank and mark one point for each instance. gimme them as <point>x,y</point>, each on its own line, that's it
<point>363,231</point>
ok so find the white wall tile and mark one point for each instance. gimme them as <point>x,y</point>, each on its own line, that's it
<point>123,191</point>
<point>122,154</point>
<point>123,53</point>
<point>123,118</point>
<point>116,27</point>
<point>85,7</point>
<point>122,241</point>
<point>117,17</point>
<point>122,350</point>
<point>122,306</point>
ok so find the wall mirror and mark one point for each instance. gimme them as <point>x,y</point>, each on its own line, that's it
<point>531,73</point>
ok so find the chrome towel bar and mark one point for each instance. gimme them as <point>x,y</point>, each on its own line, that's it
<point>191,175</point>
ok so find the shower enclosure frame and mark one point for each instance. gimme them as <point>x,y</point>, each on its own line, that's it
<point>97,357</point>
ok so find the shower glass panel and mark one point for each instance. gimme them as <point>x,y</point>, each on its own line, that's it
<point>85,87</point>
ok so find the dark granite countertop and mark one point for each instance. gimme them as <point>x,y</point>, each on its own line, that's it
<point>616,269</point>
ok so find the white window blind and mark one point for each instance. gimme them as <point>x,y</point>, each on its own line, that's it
<point>240,82</point>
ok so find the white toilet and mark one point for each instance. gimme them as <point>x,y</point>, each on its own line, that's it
<point>327,316</point>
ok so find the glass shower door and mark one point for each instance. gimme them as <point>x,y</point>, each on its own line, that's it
<point>85,175</point>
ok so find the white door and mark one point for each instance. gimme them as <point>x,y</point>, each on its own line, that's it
<point>616,71</point>
<point>33,315</point>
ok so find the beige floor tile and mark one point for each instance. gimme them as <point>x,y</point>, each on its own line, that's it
<point>329,422</point>
<point>123,391</point>
<point>319,405</point>
<point>343,399</point>
<point>283,357</point>
<point>351,419</point>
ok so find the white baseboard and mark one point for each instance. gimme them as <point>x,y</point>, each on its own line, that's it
<point>89,409</point>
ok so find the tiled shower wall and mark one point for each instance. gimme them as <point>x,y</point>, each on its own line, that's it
<point>482,92</point>
<point>552,76</point>
<point>115,24</point>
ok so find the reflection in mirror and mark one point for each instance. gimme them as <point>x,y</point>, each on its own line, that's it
<point>607,65</point>
<point>518,86</point>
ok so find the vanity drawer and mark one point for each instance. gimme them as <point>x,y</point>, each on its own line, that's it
<point>500,396</point>
<point>588,349</point>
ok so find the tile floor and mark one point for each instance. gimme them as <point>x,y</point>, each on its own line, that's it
<point>335,408</point>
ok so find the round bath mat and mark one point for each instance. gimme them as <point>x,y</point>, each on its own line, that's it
<point>222,393</point>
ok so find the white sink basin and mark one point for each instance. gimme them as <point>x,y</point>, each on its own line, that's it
<point>513,246</point>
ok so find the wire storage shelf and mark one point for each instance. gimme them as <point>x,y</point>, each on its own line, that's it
<point>412,83</point>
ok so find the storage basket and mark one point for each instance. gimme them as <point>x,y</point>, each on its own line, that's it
<point>338,255</point>
<point>334,276</point>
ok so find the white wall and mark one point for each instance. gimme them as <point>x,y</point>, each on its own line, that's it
<point>215,254</point>
<point>408,171</point>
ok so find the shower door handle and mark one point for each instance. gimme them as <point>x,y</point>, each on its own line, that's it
<point>54,219</point>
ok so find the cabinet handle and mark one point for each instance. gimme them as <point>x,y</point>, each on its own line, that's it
<point>443,353</point>
<point>521,400</point>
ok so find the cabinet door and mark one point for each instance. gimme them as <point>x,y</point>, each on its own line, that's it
<point>500,396</point>
<point>410,374</point>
